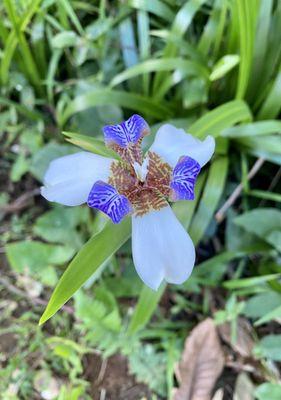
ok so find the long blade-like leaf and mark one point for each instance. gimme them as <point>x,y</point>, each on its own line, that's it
<point>92,255</point>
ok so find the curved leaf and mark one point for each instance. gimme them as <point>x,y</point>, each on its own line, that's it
<point>91,257</point>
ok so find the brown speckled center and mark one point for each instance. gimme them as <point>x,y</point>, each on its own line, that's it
<point>144,196</point>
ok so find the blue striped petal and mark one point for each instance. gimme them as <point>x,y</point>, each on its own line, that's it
<point>184,178</point>
<point>105,198</point>
<point>129,131</point>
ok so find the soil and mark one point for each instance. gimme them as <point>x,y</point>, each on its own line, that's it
<point>111,380</point>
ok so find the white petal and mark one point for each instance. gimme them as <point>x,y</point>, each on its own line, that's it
<point>162,249</point>
<point>171,143</point>
<point>69,179</point>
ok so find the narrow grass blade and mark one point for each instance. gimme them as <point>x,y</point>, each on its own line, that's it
<point>90,143</point>
<point>210,198</point>
<point>222,117</point>
<point>156,7</point>
<point>145,307</point>
<point>260,128</point>
<point>189,67</point>
<point>247,282</point>
<point>106,96</point>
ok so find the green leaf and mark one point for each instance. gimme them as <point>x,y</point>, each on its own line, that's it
<point>98,28</point>
<point>222,117</point>
<point>36,255</point>
<point>269,347</point>
<point>59,225</point>
<point>92,255</point>
<point>274,314</point>
<point>42,158</point>
<point>268,391</point>
<point>90,143</point>
<point>261,194</point>
<point>106,96</point>
<point>261,304</point>
<point>37,259</point>
<point>272,104</point>
<point>210,198</point>
<point>65,39</point>
<point>246,23</point>
<point>149,367</point>
<point>100,314</point>
<point>268,144</point>
<point>223,66</point>
<point>264,223</point>
<point>260,128</point>
<point>247,282</point>
<point>146,305</point>
<point>155,7</point>
<point>180,24</point>
<point>188,67</point>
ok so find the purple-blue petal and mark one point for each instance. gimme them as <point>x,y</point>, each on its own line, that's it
<point>129,131</point>
<point>184,178</point>
<point>105,198</point>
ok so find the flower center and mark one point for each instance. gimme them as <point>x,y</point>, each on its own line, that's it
<point>141,170</point>
<point>146,185</point>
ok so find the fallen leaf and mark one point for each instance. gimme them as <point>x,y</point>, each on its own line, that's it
<point>201,364</point>
<point>218,395</point>
<point>244,343</point>
<point>244,388</point>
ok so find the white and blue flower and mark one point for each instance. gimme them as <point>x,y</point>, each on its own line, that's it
<point>141,186</point>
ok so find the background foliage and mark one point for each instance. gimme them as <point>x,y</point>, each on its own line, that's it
<point>211,67</point>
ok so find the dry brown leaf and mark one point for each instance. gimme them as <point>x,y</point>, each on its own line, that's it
<point>201,364</point>
<point>244,343</point>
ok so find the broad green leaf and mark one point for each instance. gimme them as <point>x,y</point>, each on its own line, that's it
<point>35,255</point>
<point>42,158</point>
<point>268,391</point>
<point>269,347</point>
<point>261,304</point>
<point>92,255</point>
<point>59,225</point>
<point>37,259</point>
<point>264,223</point>
<point>271,315</point>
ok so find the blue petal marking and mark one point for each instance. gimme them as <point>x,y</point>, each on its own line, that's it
<point>129,131</point>
<point>105,198</point>
<point>184,177</point>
